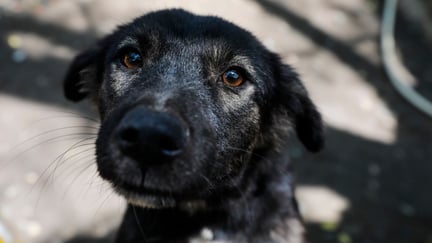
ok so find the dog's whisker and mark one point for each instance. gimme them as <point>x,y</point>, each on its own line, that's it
<point>95,175</point>
<point>72,114</point>
<point>77,159</point>
<point>108,196</point>
<point>55,139</point>
<point>140,227</point>
<point>61,159</point>
<point>87,164</point>
<point>86,147</point>
<point>87,160</point>
<point>42,175</point>
<point>91,183</point>
<point>51,131</point>
<point>61,129</point>
<point>86,121</point>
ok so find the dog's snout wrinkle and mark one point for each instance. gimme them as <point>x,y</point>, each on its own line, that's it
<point>150,137</point>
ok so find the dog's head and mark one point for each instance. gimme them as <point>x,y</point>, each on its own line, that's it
<point>185,102</point>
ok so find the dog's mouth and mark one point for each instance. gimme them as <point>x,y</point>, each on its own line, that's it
<point>141,193</point>
<point>147,198</point>
<point>156,198</point>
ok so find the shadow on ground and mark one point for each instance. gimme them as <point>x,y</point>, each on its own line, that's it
<point>38,79</point>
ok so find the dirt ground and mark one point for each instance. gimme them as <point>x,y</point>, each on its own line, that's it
<point>371,184</point>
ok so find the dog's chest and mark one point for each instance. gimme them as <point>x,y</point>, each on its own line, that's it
<point>288,231</point>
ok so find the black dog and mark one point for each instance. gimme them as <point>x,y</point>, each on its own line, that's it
<point>195,116</point>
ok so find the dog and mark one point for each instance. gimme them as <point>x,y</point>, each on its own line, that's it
<point>195,115</point>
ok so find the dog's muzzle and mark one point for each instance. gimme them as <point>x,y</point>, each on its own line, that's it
<point>151,137</point>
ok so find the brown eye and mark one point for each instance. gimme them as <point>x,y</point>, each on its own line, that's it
<point>233,78</point>
<point>132,59</point>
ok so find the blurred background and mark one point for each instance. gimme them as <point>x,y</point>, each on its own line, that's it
<point>371,184</point>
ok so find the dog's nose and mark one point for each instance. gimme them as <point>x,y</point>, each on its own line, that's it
<point>151,137</point>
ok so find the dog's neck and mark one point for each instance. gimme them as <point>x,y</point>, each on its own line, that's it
<point>263,212</point>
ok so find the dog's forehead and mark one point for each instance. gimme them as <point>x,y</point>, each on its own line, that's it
<point>180,27</point>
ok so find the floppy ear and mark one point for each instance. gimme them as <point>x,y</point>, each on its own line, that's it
<point>83,73</point>
<point>294,98</point>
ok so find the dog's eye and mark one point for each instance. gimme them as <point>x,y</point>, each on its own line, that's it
<point>132,59</point>
<point>233,78</point>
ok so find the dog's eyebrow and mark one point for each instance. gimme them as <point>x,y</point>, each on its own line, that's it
<point>244,62</point>
<point>128,41</point>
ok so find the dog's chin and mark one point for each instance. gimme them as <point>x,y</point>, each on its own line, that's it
<point>160,202</point>
<point>146,200</point>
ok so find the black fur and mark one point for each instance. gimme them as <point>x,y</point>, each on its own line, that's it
<point>231,176</point>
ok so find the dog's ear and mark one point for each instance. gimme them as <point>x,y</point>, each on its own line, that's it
<point>83,73</point>
<point>295,100</point>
